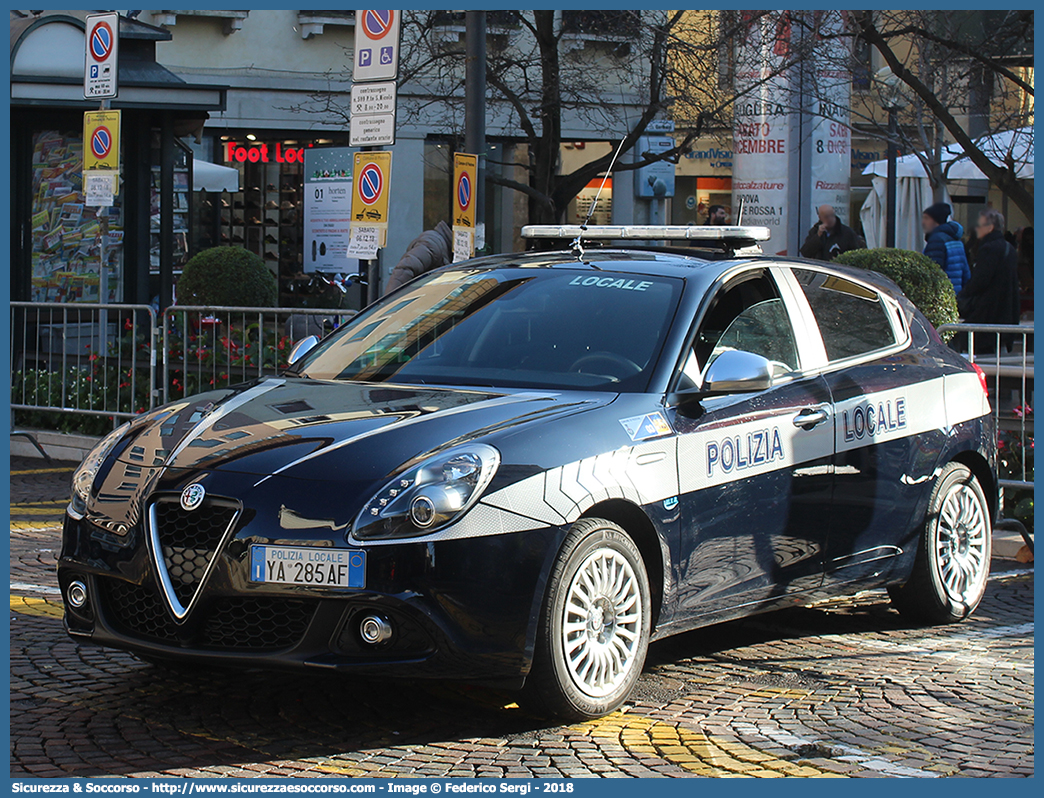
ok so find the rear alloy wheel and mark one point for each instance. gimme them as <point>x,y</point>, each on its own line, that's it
<point>953,558</point>
<point>594,630</point>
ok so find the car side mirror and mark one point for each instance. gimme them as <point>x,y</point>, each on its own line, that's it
<point>733,371</point>
<point>301,348</point>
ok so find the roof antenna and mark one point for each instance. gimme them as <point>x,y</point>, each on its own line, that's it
<point>577,247</point>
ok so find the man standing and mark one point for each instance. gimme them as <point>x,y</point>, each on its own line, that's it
<point>830,238</point>
<point>991,296</point>
<point>943,244</point>
<point>716,215</point>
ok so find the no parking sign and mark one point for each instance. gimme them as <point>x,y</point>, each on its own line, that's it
<point>376,45</point>
<point>465,185</point>
<point>370,176</point>
<point>101,141</point>
<point>101,71</point>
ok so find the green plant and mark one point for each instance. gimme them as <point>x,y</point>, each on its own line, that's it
<point>204,359</point>
<point>920,278</point>
<point>229,276</point>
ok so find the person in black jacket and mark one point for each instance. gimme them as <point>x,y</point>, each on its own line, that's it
<point>992,294</point>
<point>830,238</point>
<point>430,250</point>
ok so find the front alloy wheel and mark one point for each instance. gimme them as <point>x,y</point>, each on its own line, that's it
<point>594,631</point>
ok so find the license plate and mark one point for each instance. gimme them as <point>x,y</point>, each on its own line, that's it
<point>295,565</point>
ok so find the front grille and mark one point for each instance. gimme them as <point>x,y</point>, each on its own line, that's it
<point>242,624</point>
<point>189,540</point>
<point>138,611</point>
<point>246,623</point>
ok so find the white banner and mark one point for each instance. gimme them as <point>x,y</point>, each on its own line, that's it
<point>831,134</point>
<point>761,128</point>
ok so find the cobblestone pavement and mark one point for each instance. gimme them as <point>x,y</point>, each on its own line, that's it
<point>843,689</point>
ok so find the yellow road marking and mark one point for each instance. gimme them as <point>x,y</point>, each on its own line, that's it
<point>36,510</point>
<point>42,471</point>
<point>29,605</point>
<point>39,504</point>
<point>341,771</point>
<point>692,750</point>
<point>35,526</point>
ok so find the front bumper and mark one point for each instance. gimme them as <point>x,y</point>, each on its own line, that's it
<point>459,609</point>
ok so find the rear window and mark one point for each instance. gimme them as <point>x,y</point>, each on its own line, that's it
<point>852,318</point>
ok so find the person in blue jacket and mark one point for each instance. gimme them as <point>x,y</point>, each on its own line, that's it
<point>943,244</point>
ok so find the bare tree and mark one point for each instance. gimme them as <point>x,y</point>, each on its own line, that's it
<point>608,72</point>
<point>966,75</point>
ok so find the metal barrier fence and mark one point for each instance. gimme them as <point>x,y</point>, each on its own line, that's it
<point>1005,353</point>
<point>210,347</point>
<point>101,360</point>
<point>94,359</point>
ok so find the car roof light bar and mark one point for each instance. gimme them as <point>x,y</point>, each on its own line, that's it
<point>648,232</point>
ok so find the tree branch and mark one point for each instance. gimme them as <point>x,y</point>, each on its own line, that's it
<point>1004,179</point>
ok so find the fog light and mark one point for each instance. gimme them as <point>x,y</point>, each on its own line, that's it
<point>76,594</point>
<point>422,511</point>
<point>374,630</point>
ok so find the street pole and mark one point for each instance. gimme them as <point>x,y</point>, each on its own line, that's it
<point>371,269</point>
<point>475,110</point>
<point>893,155</point>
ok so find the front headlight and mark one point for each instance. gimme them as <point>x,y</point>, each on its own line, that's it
<point>83,477</point>
<point>430,495</point>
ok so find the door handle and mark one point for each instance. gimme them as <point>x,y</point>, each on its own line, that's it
<point>811,417</point>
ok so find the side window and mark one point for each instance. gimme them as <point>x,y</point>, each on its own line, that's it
<point>749,316</point>
<point>852,318</point>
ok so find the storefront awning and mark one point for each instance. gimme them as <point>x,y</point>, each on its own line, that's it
<point>1017,144</point>
<point>214,178</point>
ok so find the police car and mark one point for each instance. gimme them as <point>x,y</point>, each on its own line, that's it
<point>522,469</point>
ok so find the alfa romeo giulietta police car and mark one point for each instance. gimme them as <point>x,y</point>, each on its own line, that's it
<point>521,469</point>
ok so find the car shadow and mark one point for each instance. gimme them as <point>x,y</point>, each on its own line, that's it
<point>116,715</point>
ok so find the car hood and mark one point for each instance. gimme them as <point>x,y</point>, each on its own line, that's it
<point>327,430</point>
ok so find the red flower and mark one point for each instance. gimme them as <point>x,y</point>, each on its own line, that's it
<point>127,325</point>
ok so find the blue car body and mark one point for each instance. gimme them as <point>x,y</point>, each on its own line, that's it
<point>736,504</point>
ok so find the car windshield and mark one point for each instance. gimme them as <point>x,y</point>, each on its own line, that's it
<point>507,327</point>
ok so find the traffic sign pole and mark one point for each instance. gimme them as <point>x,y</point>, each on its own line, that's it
<point>475,109</point>
<point>374,73</point>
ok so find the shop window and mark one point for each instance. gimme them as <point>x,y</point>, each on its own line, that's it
<point>180,209</point>
<point>72,261</point>
<point>265,215</point>
<point>438,175</point>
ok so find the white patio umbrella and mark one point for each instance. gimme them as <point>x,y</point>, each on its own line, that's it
<point>1017,143</point>
<point>914,191</point>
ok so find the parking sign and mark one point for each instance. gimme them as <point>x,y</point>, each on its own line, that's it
<point>376,45</point>
<point>371,173</point>
<point>101,62</point>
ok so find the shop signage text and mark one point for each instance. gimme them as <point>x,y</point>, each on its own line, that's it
<point>261,153</point>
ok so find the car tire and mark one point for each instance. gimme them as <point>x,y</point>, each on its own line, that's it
<point>594,626</point>
<point>953,555</point>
